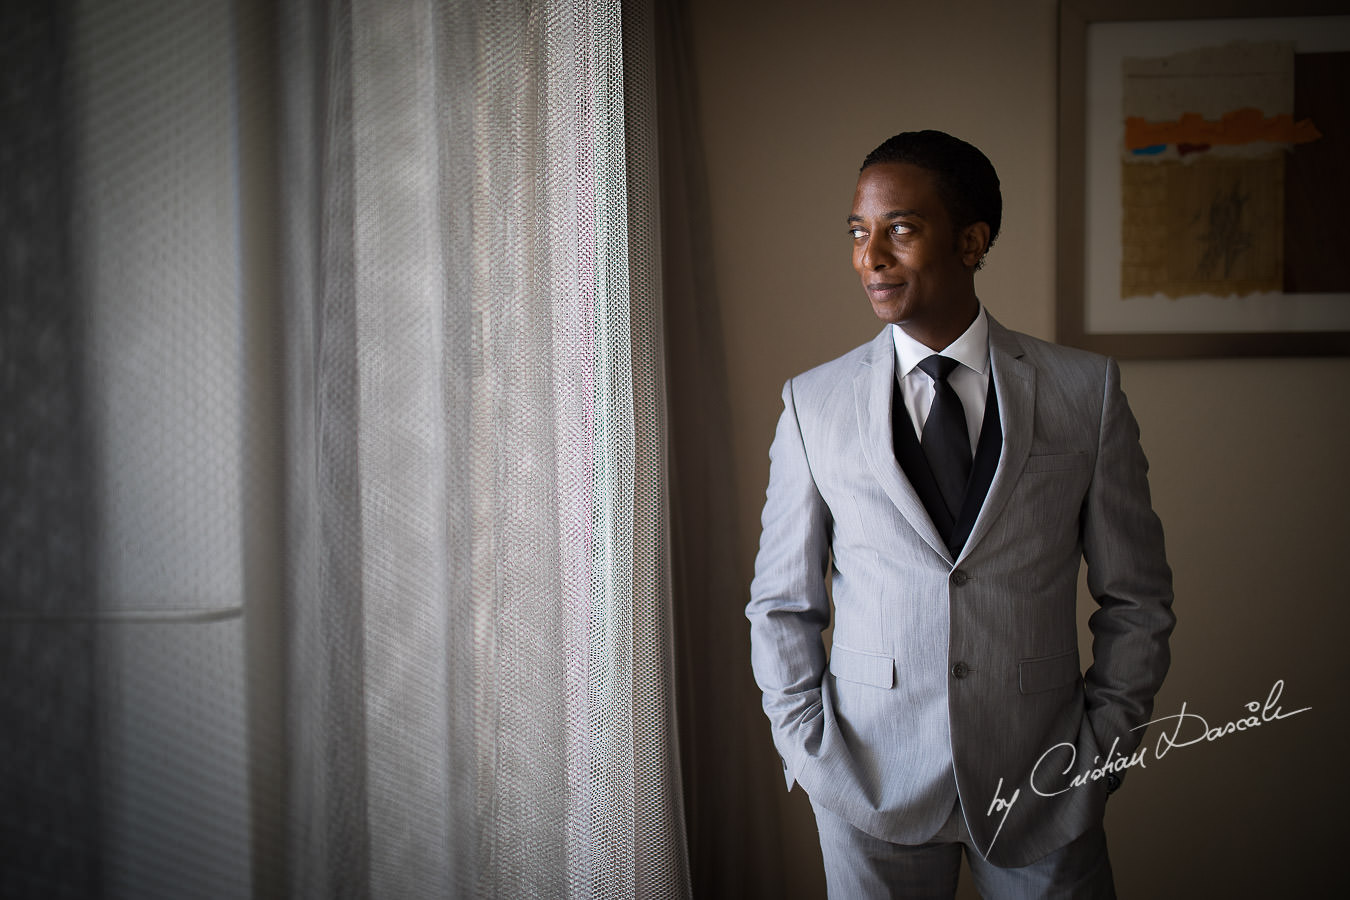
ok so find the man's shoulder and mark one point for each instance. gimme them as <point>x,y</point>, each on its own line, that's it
<point>1047,355</point>
<point>841,370</point>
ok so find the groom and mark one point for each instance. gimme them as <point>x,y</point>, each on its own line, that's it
<point>940,485</point>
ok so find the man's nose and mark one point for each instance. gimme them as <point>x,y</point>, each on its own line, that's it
<point>876,254</point>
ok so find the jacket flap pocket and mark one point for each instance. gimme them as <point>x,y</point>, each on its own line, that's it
<point>865,668</point>
<point>1047,672</point>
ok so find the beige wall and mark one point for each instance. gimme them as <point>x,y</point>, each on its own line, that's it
<point>792,95</point>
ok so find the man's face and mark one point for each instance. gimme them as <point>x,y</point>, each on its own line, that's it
<point>917,271</point>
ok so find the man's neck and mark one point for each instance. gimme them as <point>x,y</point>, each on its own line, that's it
<point>936,339</point>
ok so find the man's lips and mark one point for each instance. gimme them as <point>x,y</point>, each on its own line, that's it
<point>882,290</point>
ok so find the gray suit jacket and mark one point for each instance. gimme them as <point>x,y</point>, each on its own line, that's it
<point>946,675</point>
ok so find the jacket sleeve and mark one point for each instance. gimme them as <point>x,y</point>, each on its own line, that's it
<point>789,604</point>
<point>1128,577</point>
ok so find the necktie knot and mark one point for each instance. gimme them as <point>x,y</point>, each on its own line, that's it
<point>938,367</point>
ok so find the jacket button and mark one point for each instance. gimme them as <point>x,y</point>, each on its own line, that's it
<point>959,577</point>
<point>960,670</point>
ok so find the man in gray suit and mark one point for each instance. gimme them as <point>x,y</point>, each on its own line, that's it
<point>944,506</point>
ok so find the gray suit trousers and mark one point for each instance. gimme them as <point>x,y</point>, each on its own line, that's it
<point>859,866</point>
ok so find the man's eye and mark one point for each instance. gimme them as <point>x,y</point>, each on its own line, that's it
<point>855,233</point>
<point>901,228</point>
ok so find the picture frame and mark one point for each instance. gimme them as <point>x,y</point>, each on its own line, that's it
<point>1094,35</point>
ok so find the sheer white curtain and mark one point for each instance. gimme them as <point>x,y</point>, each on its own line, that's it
<point>479,664</point>
<point>359,583</point>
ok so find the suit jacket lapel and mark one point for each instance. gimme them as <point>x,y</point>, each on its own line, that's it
<point>873,387</point>
<point>1015,386</point>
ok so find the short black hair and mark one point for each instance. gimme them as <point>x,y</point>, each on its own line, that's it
<point>966,180</point>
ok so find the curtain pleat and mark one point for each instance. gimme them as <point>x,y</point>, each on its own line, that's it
<point>327,852</point>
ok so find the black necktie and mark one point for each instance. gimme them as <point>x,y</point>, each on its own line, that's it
<point>946,442</point>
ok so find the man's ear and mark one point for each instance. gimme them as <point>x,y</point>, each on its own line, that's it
<point>972,243</point>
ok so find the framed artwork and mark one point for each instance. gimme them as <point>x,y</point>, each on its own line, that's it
<point>1204,178</point>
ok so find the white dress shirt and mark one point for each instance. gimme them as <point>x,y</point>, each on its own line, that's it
<point>970,379</point>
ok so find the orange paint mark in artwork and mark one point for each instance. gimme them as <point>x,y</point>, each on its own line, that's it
<point>1241,126</point>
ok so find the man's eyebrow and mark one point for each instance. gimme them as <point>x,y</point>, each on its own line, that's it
<point>890,214</point>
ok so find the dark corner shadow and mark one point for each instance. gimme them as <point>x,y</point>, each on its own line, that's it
<point>730,773</point>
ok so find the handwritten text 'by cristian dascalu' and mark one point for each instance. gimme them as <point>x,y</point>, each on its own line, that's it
<point>1184,729</point>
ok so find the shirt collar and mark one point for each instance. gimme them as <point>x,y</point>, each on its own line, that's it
<point>971,349</point>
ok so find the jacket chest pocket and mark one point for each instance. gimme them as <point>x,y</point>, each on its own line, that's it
<point>1050,491</point>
